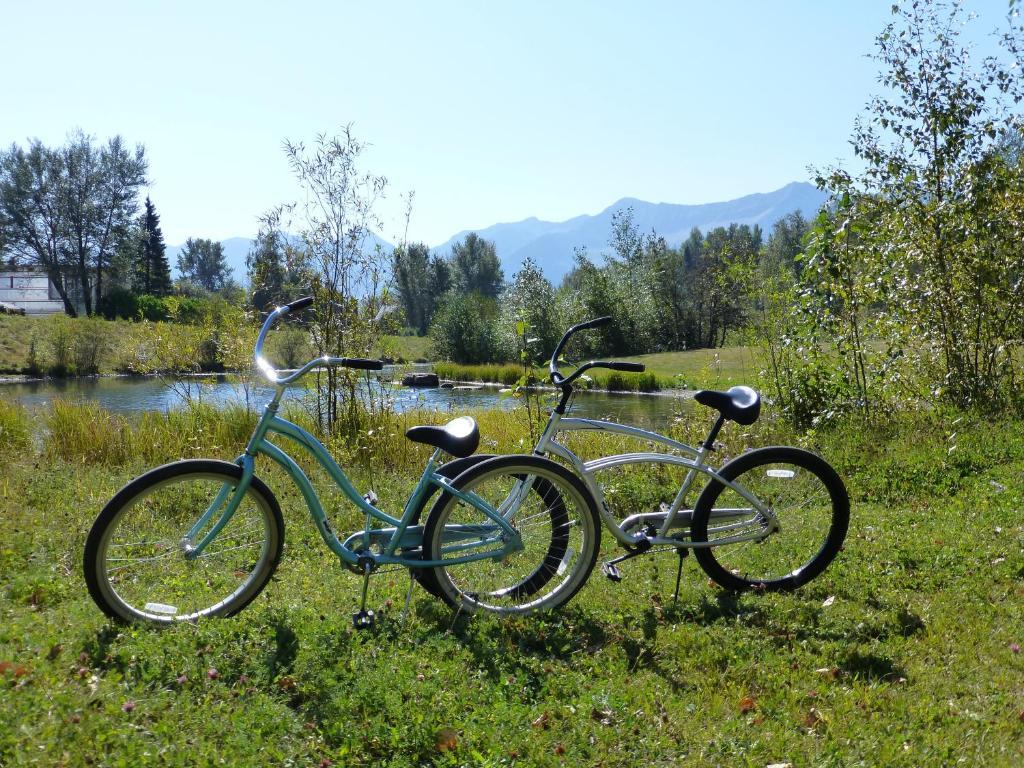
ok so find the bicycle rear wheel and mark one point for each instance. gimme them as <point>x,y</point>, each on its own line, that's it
<point>135,564</point>
<point>809,501</point>
<point>553,513</point>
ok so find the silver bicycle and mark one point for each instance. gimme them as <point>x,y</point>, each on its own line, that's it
<point>770,519</point>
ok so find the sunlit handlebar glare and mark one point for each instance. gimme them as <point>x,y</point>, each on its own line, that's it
<point>272,375</point>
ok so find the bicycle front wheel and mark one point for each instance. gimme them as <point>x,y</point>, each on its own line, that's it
<point>556,520</point>
<point>135,560</point>
<point>809,501</point>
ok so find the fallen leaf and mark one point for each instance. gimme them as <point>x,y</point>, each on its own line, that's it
<point>779,765</point>
<point>828,601</point>
<point>286,683</point>
<point>54,652</point>
<point>544,721</point>
<point>814,718</point>
<point>559,749</point>
<point>446,740</point>
<point>747,704</point>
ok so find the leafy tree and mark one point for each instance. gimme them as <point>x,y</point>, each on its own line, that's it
<point>277,270</point>
<point>475,267</point>
<point>464,328</point>
<point>439,280</point>
<point>349,277</point>
<point>67,210</point>
<point>785,242</point>
<point>719,280</point>
<point>920,253</point>
<point>152,271</point>
<point>586,292</point>
<point>34,221</point>
<point>529,299</point>
<point>102,186</point>
<point>412,269</point>
<point>203,262</point>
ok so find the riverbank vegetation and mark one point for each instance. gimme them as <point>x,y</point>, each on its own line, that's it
<point>221,339</point>
<point>881,660</point>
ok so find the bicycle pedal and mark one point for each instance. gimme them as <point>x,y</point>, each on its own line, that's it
<point>611,571</point>
<point>363,619</point>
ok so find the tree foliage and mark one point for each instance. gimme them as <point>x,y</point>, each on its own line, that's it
<point>464,328</point>
<point>475,267</point>
<point>350,275</point>
<point>420,281</point>
<point>203,263</point>
<point>66,210</point>
<point>278,272</point>
<point>912,280</point>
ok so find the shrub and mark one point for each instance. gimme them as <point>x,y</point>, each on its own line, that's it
<point>463,329</point>
<point>119,303</point>
<point>153,308</point>
<point>60,338</point>
<point>90,342</point>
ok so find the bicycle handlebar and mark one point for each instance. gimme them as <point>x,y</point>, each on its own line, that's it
<point>271,374</point>
<point>563,381</point>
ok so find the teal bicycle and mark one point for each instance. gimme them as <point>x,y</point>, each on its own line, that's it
<point>197,538</point>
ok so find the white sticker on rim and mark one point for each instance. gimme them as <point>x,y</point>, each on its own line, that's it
<point>167,610</point>
<point>784,473</point>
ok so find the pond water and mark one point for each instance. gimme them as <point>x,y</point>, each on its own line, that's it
<point>126,394</point>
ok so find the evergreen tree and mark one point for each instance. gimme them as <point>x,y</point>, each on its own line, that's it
<point>152,271</point>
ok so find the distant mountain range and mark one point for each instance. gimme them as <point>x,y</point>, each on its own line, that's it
<point>551,244</point>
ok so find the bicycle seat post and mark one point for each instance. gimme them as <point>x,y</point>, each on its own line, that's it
<point>709,441</point>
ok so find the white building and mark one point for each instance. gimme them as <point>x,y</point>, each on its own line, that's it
<point>30,292</point>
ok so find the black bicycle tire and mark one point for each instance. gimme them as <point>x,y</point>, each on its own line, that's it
<point>91,556</point>
<point>532,582</point>
<point>831,545</point>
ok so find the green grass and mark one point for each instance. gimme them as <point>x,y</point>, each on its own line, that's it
<point>492,373</point>
<point>409,349</point>
<point>902,654</point>
<point>703,368</point>
<point>15,337</point>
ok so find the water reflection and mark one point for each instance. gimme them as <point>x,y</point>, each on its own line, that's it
<point>124,394</point>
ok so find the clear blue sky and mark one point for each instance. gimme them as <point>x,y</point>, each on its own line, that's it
<point>489,112</point>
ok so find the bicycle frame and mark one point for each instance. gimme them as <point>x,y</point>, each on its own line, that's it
<point>695,461</point>
<point>385,546</point>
